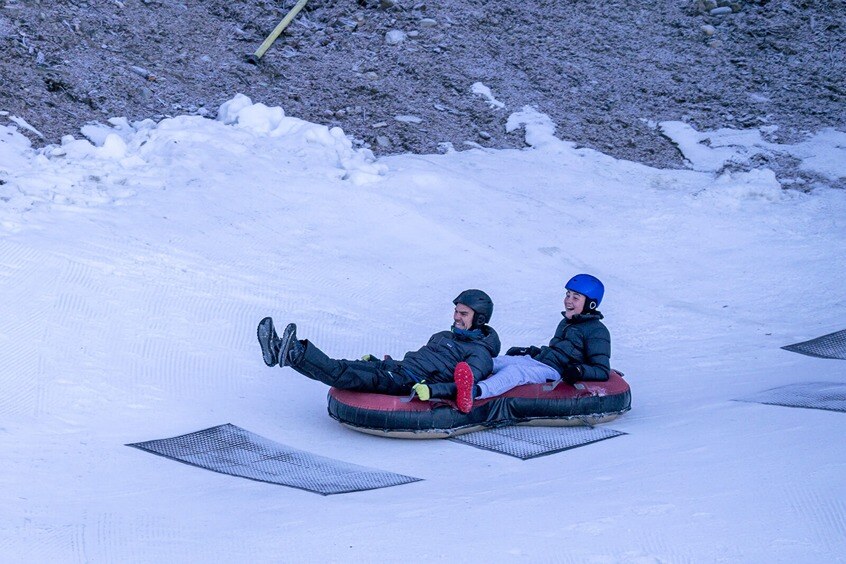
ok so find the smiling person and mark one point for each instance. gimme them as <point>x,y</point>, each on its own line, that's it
<point>579,350</point>
<point>460,357</point>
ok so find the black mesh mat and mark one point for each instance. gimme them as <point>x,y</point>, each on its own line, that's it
<point>231,450</point>
<point>832,345</point>
<point>530,442</point>
<point>812,395</point>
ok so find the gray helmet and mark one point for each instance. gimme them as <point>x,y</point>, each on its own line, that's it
<point>479,302</point>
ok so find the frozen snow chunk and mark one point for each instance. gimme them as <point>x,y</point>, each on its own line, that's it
<point>24,124</point>
<point>710,151</point>
<point>14,149</point>
<point>823,153</point>
<point>540,129</point>
<point>395,37</point>
<point>484,91</point>
<point>228,111</point>
<point>113,147</point>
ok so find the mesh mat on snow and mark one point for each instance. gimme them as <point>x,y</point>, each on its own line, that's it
<point>530,442</point>
<point>830,396</point>
<point>231,450</point>
<point>832,345</point>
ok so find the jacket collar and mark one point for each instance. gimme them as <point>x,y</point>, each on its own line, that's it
<point>595,314</point>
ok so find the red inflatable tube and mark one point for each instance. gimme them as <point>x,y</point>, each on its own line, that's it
<point>587,403</point>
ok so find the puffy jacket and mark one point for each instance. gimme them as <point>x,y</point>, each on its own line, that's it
<point>436,361</point>
<point>583,340</point>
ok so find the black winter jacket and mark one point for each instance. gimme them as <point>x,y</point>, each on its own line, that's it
<point>436,361</point>
<point>583,340</point>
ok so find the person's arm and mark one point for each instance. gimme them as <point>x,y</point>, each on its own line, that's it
<point>580,356</point>
<point>480,361</point>
<point>596,366</point>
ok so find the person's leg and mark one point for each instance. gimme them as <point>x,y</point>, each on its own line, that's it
<point>513,371</point>
<point>462,389</point>
<point>355,375</point>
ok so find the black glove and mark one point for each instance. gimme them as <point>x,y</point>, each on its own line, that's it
<point>572,373</point>
<point>523,351</point>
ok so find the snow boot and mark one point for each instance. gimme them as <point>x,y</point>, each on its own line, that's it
<point>269,341</point>
<point>463,377</point>
<point>290,349</point>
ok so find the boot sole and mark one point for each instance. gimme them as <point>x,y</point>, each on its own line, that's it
<point>266,334</point>
<point>463,377</point>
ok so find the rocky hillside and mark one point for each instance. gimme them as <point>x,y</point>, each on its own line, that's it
<point>399,75</point>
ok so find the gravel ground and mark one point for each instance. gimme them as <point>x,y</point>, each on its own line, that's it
<point>605,72</point>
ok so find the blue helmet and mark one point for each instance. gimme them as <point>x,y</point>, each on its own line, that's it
<point>590,287</point>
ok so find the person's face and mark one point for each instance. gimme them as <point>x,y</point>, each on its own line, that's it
<point>574,303</point>
<point>463,316</point>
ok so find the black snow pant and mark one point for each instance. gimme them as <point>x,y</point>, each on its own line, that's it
<point>381,377</point>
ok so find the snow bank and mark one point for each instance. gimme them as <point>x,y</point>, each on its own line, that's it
<point>823,153</point>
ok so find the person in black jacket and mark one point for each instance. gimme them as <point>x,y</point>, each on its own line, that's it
<point>470,340</point>
<point>580,350</point>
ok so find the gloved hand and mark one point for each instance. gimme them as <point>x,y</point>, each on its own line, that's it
<point>523,351</point>
<point>422,390</point>
<point>572,373</point>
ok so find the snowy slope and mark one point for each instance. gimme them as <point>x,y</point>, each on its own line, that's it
<point>136,263</point>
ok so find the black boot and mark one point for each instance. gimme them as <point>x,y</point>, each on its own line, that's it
<point>290,349</point>
<point>269,341</point>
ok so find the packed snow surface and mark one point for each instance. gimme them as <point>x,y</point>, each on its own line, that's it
<point>137,259</point>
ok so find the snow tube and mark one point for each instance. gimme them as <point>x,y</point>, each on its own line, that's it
<point>587,403</point>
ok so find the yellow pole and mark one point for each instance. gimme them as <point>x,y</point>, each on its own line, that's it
<point>254,58</point>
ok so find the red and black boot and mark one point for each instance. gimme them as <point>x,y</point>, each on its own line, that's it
<point>464,383</point>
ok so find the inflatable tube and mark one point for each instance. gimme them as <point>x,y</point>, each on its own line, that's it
<point>531,404</point>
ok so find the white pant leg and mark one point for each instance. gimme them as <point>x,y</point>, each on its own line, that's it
<point>512,371</point>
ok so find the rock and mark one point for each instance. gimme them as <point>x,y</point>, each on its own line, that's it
<point>428,22</point>
<point>142,72</point>
<point>395,37</point>
<point>707,5</point>
<point>349,23</point>
<point>708,30</point>
<point>721,11</point>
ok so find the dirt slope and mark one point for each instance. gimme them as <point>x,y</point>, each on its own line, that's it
<point>603,71</point>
